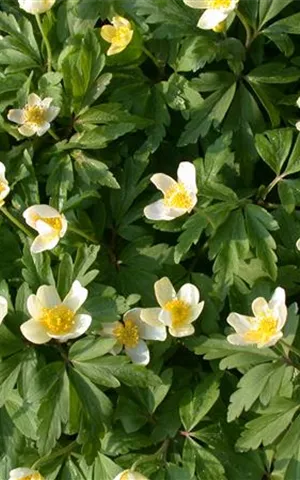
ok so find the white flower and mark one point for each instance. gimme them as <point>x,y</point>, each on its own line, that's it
<point>35,117</point>
<point>53,318</point>
<point>298,241</point>
<point>4,188</point>
<point>119,34</point>
<point>36,6</point>
<point>49,223</point>
<point>24,474</point>
<point>179,197</point>
<point>3,308</point>
<point>130,475</point>
<point>178,310</point>
<point>131,335</point>
<point>264,329</point>
<point>216,11</point>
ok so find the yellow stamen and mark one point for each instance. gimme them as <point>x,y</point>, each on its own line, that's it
<point>218,4</point>
<point>265,330</point>
<point>180,312</point>
<point>3,186</point>
<point>58,320</point>
<point>35,114</point>
<point>34,476</point>
<point>177,196</point>
<point>121,35</point>
<point>54,222</point>
<point>127,334</point>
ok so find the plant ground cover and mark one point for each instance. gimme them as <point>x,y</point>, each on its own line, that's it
<point>149,226</point>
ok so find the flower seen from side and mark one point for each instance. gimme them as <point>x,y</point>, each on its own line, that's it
<point>35,117</point>
<point>53,318</point>
<point>36,6</point>
<point>130,475</point>
<point>177,310</point>
<point>264,329</point>
<point>216,11</point>
<point>50,225</point>
<point>179,197</point>
<point>119,35</point>
<point>130,335</point>
<point>4,187</point>
<point>24,474</point>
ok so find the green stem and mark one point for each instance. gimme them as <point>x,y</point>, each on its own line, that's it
<point>151,56</point>
<point>290,347</point>
<point>272,185</point>
<point>82,234</point>
<point>53,134</point>
<point>247,28</point>
<point>53,455</point>
<point>16,222</point>
<point>46,41</point>
<point>161,452</point>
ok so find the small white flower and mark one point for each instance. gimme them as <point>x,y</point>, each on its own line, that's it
<point>178,310</point>
<point>131,334</point>
<point>119,34</point>
<point>216,11</point>
<point>179,197</point>
<point>4,188</point>
<point>130,475</point>
<point>53,318</point>
<point>49,223</point>
<point>35,117</point>
<point>24,474</point>
<point>36,6</point>
<point>264,329</point>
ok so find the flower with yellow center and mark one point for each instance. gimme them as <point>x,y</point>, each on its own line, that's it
<point>179,197</point>
<point>50,225</point>
<point>130,475</point>
<point>35,117</point>
<point>178,310</point>
<point>119,34</point>
<point>53,318</point>
<point>36,6</point>
<point>130,335</point>
<point>264,329</point>
<point>216,11</point>
<point>24,474</point>
<point>4,188</point>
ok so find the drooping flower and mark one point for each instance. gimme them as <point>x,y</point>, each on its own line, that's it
<point>298,123</point>
<point>24,474</point>
<point>130,475</point>
<point>49,223</point>
<point>265,328</point>
<point>130,335</point>
<point>178,310</point>
<point>179,197</point>
<point>3,308</point>
<point>119,34</point>
<point>4,187</point>
<point>216,11</point>
<point>36,6</point>
<point>35,117</point>
<point>54,318</point>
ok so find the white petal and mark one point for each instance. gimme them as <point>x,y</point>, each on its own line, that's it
<point>27,130</point>
<point>236,339</point>
<point>273,340</point>
<point>189,293</point>
<point>241,323</point>
<point>298,102</point>
<point>48,296</point>
<point>118,22</point>
<point>278,298</point>
<point>40,131</point>
<point>35,332</point>
<point>16,116</point>
<point>52,113</point>
<point>182,332</point>
<point>64,226</point>
<point>33,100</point>
<point>260,306</point>
<point>18,473</point>
<point>187,175</point>
<point>163,182</point>
<point>158,211</point>
<point>211,18</point>
<point>46,102</point>
<point>298,241</point>
<point>34,306</point>
<point>166,318</point>
<point>44,228</point>
<point>196,310</point>
<point>130,475</point>
<point>140,354</point>
<point>146,332</point>
<point>199,4</point>
<point>2,171</point>
<point>42,210</point>
<point>298,126</point>
<point>164,291</point>
<point>151,316</point>
<point>3,308</point>
<point>108,328</point>
<point>44,242</point>
<point>76,296</point>
<point>82,323</point>
<point>134,315</point>
<point>278,306</point>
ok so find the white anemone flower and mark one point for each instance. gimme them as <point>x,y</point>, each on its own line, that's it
<point>179,197</point>
<point>130,475</point>
<point>4,187</point>
<point>50,225</point>
<point>24,474</point>
<point>36,6</point>
<point>178,310</point>
<point>130,335</point>
<point>35,117</point>
<point>264,329</point>
<point>216,11</point>
<point>298,123</point>
<point>54,318</point>
<point>119,35</point>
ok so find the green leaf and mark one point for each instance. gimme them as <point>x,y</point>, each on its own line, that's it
<point>193,229</point>
<point>65,275</point>
<point>207,465</point>
<point>85,257</point>
<point>268,9</point>
<point>293,165</point>
<point>274,73</point>
<point>195,52</point>
<point>274,147</point>
<point>9,372</point>
<point>60,181</point>
<point>289,25</point>
<point>93,171</point>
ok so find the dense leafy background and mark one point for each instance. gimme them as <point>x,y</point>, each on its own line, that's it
<point>203,409</point>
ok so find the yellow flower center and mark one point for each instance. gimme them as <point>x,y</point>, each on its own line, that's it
<point>58,320</point>
<point>179,310</point>
<point>127,334</point>
<point>177,196</point>
<point>54,222</point>
<point>219,4</point>
<point>3,186</point>
<point>266,329</point>
<point>35,114</point>
<point>121,35</point>
<point>34,476</point>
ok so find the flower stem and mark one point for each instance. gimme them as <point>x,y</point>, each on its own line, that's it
<point>16,222</point>
<point>46,41</point>
<point>53,455</point>
<point>290,347</point>
<point>53,134</point>
<point>272,185</point>
<point>247,28</point>
<point>82,234</point>
<point>151,56</point>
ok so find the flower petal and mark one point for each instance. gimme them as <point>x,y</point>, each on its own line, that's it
<point>46,102</point>
<point>33,99</point>
<point>260,306</point>
<point>140,354</point>
<point>196,310</point>
<point>187,175</point>
<point>82,323</point>
<point>151,316</point>
<point>48,297</point>
<point>51,113</point>
<point>163,182</point>
<point>19,473</point>
<point>27,130</point>
<point>119,21</point>
<point>34,307</point>
<point>189,293</point>
<point>273,340</point>
<point>108,32</point>
<point>236,339</point>
<point>211,18</point>
<point>40,131</point>
<point>16,116</point>
<point>3,308</point>
<point>44,242</point>
<point>76,296</point>
<point>241,323</point>
<point>198,4</point>
<point>298,241</point>
<point>35,212</point>
<point>182,331</point>
<point>64,226</point>
<point>108,328</point>
<point>278,306</point>
<point>146,332</point>
<point>164,291</point>
<point>158,211</point>
<point>35,332</point>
